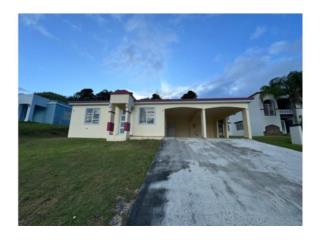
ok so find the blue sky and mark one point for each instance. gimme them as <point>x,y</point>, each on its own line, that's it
<point>216,55</point>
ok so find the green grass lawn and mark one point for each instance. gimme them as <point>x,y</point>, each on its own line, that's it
<point>60,178</point>
<point>281,141</point>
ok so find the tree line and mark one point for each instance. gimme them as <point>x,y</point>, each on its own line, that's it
<point>289,85</point>
<point>87,94</point>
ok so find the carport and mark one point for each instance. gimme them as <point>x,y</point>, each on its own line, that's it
<point>209,122</point>
<point>217,121</point>
<point>183,122</point>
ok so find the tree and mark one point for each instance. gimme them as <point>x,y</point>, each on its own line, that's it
<point>293,87</point>
<point>83,95</point>
<point>156,96</point>
<point>275,88</point>
<point>189,95</point>
<point>290,85</point>
<point>53,96</point>
<point>103,95</point>
<point>144,99</point>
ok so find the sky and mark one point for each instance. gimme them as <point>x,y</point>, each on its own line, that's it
<point>215,55</point>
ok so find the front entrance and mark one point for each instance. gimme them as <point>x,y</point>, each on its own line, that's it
<point>286,122</point>
<point>221,129</point>
<point>122,120</point>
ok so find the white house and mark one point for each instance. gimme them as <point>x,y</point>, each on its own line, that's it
<point>268,116</point>
<point>124,117</point>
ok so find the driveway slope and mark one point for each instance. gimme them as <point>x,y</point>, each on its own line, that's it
<point>221,182</point>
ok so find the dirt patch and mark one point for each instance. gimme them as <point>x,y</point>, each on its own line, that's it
<point>121,212</point>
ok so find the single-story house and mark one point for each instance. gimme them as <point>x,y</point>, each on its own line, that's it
<point>34,108</point>
<point>124,117</point>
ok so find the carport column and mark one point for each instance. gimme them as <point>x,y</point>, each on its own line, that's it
<point>225,123</point>
<point>127,121</point>
<point>204,123</point>
<point>29,114</point>
<point>246,123</point>
<point>217,129</point>
<point>110,124</point>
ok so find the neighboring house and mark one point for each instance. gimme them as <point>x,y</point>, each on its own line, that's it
<point>124,117</point>
<point>35,108</point>
<point>268,116</point>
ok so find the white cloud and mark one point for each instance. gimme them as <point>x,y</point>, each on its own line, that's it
<point>100,19</point>
<point>74,26</point>
<point>139,95</point>
<point>23,90</point>
<point>169,91</point>
<point>251,70</point>
<point>243,76</point>
<point>34,21</point>
<point>117,17</point>
<point>144,49</point>
<point>136,23</point>
<point>279,47</point>
<point>259,31</point>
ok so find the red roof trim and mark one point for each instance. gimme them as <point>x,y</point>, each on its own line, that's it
<point>123,92</point>
<point>195,100</point>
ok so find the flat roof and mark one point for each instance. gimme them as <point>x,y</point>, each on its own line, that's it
<point>197,100</point>
<point>159,101</point>
<point>91,102</point>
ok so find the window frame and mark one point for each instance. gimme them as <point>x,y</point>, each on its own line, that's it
<point>238,124</point>
<point>269,108</point>
<point>92,121</point>
<point>146,116</point>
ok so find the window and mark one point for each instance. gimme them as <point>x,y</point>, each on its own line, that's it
<point>239,125</point>
<point>147,115</point>
<point>268,108</point>
<point>92,115</point>
<point>122,121</point>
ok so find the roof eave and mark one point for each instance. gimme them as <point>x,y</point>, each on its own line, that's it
<point>198,101</point>
<point>83,103</point>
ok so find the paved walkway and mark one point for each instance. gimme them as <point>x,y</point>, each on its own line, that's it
<point>221,182</point>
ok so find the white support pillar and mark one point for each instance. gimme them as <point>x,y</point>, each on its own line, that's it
<point>246,123</point>
<point>203,123</point>
<point>164,120</point>
<point>110,123</point>
<point>226,132</point>
<point>127,121</point>
<point>217,129</point>
<point>29,114</point>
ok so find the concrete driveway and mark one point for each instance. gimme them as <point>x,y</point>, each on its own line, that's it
<point>221,182</point>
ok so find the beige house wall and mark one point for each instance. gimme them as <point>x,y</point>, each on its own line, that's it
<point>185,127</point>
<point>79,129</point>
<point>211,127</point>
<point>148,130</point>
<point>158,129</point>
<point>195,125</point>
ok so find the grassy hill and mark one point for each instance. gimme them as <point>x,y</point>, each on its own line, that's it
<point>32,129</point>
<point>65,181</point>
